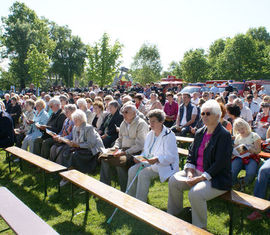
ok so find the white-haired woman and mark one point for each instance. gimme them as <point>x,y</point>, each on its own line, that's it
<point>84,146</point>
<point>207,173</point>
<point>153,103</point>
<point>82,105</point>
<point>161,149</point>
<point>247,145</point>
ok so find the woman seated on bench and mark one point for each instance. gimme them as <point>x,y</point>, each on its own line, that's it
<point>84,147</point>
<point>207,173</point>
<point>160,150</point>
<point>247,145</point>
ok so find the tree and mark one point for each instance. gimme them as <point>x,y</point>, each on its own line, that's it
<point>259,34</point>
<point>195,67</point>
<point>103,60</point>
<point>146,66</point>
<point>238,61</point>
<point>39,64</point>
<point>21,29</point>
<point>68,58</point>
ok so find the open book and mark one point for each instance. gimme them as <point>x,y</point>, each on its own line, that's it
<point>241,151</point>
<point>51,133</point>
<point>108,153</point>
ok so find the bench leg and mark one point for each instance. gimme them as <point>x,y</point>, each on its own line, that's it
<point>45,183</point>
<point>72,199</point>
<point>86,201</point>
<point>230,207</point>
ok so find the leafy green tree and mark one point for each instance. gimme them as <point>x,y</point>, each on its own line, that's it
<point>146,66</point>
<point>195,67</point>
<point>103,60</point>
<point>68,58</point>
<point>39,64</point>
<point>238,61</point>
<point>259,34</point>
<point>21,29</point>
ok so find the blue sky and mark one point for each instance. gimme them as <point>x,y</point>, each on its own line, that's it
<point>175,26</point>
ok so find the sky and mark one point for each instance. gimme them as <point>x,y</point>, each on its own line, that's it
<point>174,26</point>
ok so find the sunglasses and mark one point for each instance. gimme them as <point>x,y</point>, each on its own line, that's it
<point>206,113</point>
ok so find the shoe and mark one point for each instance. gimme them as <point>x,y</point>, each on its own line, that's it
<point>63,182</point>
<point>255,215</point>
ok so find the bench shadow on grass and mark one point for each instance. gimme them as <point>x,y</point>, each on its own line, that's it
<point>67,227</point>
<point>24,190</point>
<point>121,219</point>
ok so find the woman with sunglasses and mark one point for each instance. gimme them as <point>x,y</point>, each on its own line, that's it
<point>207,173</point>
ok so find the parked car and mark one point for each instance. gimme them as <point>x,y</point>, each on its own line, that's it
<point>191,89</point>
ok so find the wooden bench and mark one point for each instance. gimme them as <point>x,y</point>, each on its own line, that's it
<point>44,164</point>
<point>244,200</point>
<point>156,218</point>
<point>264,154</point>
<point>21,219</point>
<point>183,153</point>
<point>181,139</point>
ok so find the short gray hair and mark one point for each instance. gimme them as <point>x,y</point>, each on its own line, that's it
<point>82,101</point>
<point>114,103</point>
<point>238,101</point>
<point>129,106</point>
<point>213,106</point>
<point>70,107</point>
<point>54,101</point>
<point>79,115</point>
<point>158,113</point>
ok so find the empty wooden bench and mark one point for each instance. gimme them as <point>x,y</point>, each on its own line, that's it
<point>154,217</point>
<point>21,219</point>
<point>44,164</point>
<point>244,200</point>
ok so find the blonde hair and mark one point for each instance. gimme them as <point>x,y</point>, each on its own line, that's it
<point>238,123</point>
<point>41,103</point>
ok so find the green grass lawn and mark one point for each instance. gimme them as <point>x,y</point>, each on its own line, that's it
<point>56,209</point>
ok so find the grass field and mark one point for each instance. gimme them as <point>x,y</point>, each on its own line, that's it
<point>56,209</point>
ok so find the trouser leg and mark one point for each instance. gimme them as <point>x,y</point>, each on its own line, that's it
<point>131,174</point>
<point>45,148</point>
<point>105,173</point>
<point>122,173</point>
<point>37,146</point>
<point>198,195</point>
<point>176,188</point>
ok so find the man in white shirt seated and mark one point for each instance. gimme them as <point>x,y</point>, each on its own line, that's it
<point>254,107</point>
<point>246,113</point>
<point>186,116</point>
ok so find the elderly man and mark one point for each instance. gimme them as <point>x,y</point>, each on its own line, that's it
<point>246,113</point>
<point>186,117</point>
<point>43,144</point>
<point>132,133</point>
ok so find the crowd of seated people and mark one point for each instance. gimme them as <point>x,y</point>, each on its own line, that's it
<point>139,125</point>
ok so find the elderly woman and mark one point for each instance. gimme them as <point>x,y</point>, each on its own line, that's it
<point>262,121</point>
<point>82,105</point>
<point>41,117</point>
<point>171,110</point>
<point>107,100</point>
<point>247,145</point>
<point>160,150</point>
<point>99,115</point>
<point>207,173</point>
<point>109,127</point>
<point>153,103</point>
<point>66,133</point>
<point>29,114</point>
<point>85,145</point>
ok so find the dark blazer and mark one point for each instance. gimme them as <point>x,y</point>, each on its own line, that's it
<point>108,125</point>
<point>7,135</point>
<point>55,123</point>
<point>216,156</point>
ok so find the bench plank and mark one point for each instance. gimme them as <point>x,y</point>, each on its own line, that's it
<point>264,154</point>
<point>182,139</point>
<point>21,219</point>
<point>182,151</point>
<point>36,160</point>
<point>142,211</point>
<point>244,199</point>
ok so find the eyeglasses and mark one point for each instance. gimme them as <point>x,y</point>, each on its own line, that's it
<point>124,112</point>
<point>206,113</point>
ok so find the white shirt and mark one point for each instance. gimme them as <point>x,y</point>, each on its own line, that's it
<point>184,118</point>
<point>246,114</point>
<point>195,102</point>
<point>254,107</point>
